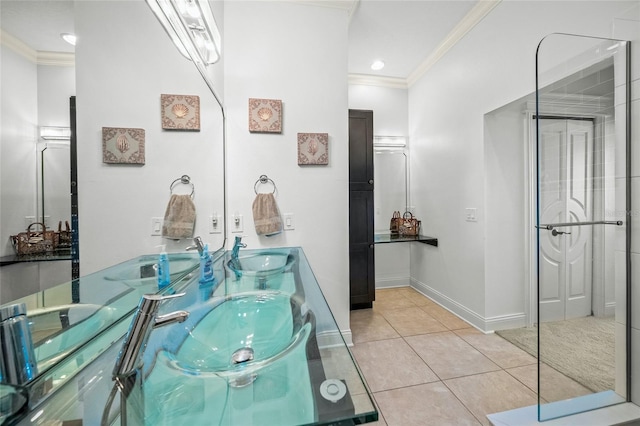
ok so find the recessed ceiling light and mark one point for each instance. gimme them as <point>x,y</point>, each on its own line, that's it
<point>69,38</point>
<point>377,65</point>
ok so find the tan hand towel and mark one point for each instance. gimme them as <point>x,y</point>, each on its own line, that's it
<point>180,218</point>
<point>266,215</point>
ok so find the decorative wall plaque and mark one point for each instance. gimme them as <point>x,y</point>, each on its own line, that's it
<point>180,112</point>
<point>265,115</point>
<point>122,145</point>
<point>313,148</point>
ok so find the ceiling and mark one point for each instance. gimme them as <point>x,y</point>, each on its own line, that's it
<point>402,33</point>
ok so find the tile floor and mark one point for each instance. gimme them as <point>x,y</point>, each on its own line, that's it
<point>426,366</point>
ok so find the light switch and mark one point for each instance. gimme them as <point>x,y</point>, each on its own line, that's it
<point>236,223</point>
<point>288,222</point>
<point>215,224</point>
<point>471,214</point>
<point>156,226</point>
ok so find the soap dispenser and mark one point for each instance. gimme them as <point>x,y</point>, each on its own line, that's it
<point>162,268</point>
<point>206,266</point>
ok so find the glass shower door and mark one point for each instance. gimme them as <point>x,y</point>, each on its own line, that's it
<point>582,239</point>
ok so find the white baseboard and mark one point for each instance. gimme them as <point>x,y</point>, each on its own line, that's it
<point>393,282</point>
<point>330,339</point>
<point>486,325</point>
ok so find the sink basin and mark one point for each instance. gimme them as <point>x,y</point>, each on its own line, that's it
<point>260,264</point>
<point>141,271</point>
<point>249,329</point>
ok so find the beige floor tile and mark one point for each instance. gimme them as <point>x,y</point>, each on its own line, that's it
<point>391,299</point>
<point>449,356</point>
<point>490,393</point>
<point>411,321</point>
<point>450,320</point>
<point>555,386</point>
<point>423,405</point>
<point>362,404</point>
<point>391,364</point>
<point>367,325</point>
<point>497,349</point>
<point>337,364</point>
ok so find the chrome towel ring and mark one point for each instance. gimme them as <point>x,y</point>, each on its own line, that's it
<point>184,180</point>
<point>262,180</point>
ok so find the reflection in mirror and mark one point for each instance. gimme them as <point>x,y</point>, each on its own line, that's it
<point>54,181</point>
<point>582,148</point>
<point>391,177</point>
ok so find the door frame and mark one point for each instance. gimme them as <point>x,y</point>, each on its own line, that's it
<point>530,201</point>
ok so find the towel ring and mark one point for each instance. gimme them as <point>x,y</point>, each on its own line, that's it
<point>184,180</point>
<point>263,179</point>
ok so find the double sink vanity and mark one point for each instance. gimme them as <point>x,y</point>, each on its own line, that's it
<point>257,345</point>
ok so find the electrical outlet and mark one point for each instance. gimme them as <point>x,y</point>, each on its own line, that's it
<point>215,224</point>
<point>156,226</point>
<point>471,214</point>
<point>289,224</point>
<point>236,223</point>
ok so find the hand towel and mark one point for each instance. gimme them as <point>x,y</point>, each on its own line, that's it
<point>180,218</point>
<point>266,215</point>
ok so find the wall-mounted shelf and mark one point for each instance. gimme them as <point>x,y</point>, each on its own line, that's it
<point>397,238</point>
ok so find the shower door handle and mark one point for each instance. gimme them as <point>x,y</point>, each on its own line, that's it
<point>555,232</point>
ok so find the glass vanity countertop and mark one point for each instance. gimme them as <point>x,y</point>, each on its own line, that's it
<point>309,377</point>
<point>73,323</point>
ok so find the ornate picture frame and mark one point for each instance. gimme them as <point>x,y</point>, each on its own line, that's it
<point>122,145</point>
<point>180,112</point>
<point>313,149</point>
<point>265,115</point>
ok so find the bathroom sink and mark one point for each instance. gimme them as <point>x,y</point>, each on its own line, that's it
<point>141,271</point>
<point>261,264</point>
<point>242,331</point>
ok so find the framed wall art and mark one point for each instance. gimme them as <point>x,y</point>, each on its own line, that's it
<point>180,112</point>
<point>313,148</point>
<point>265,115</point>
<point>122,145</point>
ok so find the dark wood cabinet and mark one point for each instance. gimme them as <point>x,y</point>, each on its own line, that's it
<point>361,215</point>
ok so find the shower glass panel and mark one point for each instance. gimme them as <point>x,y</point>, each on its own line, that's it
<point>582,235</point>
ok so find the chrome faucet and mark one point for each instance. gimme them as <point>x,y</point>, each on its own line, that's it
<point>197,244</point>
<point>125,371</point>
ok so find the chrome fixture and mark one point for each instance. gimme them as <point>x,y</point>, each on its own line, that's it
<point>550,226</point>
<point>236,248</point>
<point>197,245</point>
<point>17,358</point>
<point>130,357</point>
<point>191,26</point>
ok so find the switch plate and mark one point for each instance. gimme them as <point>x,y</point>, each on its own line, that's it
<point>471,214</point>
<point>215,224</point>
<point>156,226</point>
<point>236,224</point>
<point>289,224</point>
<point>28,220</point>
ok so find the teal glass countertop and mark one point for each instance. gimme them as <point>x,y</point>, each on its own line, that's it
<point>300,370</point>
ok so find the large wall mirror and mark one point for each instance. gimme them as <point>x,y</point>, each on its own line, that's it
<point>121,65</point>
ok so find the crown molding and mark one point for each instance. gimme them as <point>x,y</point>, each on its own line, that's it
<point>470,20</point>
<point>349,5</point>
<point>376,80</point>
<point>38,57</point>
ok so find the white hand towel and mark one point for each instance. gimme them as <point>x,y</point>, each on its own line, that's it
<point>180,218</point>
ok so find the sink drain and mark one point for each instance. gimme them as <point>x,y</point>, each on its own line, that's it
<point>242,355</point>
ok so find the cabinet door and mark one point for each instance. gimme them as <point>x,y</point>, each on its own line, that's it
<point>361,248</point>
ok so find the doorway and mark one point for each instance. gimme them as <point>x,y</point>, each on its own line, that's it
<point>566,198</point>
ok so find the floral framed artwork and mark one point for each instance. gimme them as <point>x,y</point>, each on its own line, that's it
<point>313,148</point>
<point>180,112</point>
<point>265,115</point>
<point>122,145</point>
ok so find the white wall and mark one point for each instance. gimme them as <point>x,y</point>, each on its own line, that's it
<point>452,169</point>
<point>390,118</point>
<point>298,54</point>
<point>124,62</point>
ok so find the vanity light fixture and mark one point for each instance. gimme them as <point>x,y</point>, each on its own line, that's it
<point>69,38</point>
<point>191,26</point>
<point>377,65</point>
<point>53,133</point>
